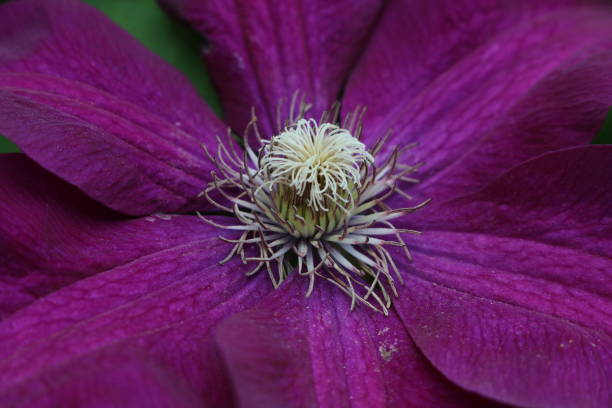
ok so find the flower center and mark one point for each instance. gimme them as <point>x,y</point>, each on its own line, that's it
<point>314,172</point>
<point>311,201</point>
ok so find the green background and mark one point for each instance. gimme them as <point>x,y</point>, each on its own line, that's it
<point>180,46</point>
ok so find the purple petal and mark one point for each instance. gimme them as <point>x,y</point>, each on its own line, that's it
<point>565,109</point>
<point>52,235</point>
<point>510,291</point>
<point>509,353</point>
<point>503,79</point>
<point>262,52</point>
<point>158,308</point>
<point>418,41</point>
<point>92,105</point>
<point>293,351</point>
<point>105,378</point>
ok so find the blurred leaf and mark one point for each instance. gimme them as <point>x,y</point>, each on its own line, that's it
<point>6,146</point>
<point>605,134</point>
<point>174,42</point>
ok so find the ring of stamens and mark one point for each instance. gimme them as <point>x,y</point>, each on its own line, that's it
<point>311,200</point>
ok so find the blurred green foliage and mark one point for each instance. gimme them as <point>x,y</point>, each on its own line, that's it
<point>171,40</point>
<point>6,146</point>
<point>605,134</point>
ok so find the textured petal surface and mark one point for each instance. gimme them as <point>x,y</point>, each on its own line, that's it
<point>510,291</point>
<point>158,310</point>
<point>51,234</point>
<point>92,105</point>
<point>293,351</point>
<point>565,109</point>
<point>261,52</point>
<point>510,80</point>
<point>113,377</point>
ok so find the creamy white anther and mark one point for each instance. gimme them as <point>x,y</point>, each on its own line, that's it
<point>321,162</point>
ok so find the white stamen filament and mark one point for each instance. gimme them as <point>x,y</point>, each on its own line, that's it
<point>311,200</point>
<point>319,160</point>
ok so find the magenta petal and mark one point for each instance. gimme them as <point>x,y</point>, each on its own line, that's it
<point>293,351</point>
<point>92,105</point>
<point>262,52</point>
<point>509,353</point>
<point>51,234</point>
<point>510,291</point>
<point>107,378</point>
<point>507,74</point>
<point>159,308</point>
<point>418,41</point>
<point>565,109</point>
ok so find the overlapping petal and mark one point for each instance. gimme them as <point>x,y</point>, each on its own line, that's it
<point>418,41</point>
<point>509,80</point>
<point>92,105</point>
<point>510,293</point>
<point>158,309</point>
<point>565,109</point>
<point>262,52</point>
<point>51,234</point>
<point>293,351</point>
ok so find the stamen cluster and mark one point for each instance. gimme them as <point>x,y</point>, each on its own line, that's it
<point>311,201</point>
<point>318,162</point>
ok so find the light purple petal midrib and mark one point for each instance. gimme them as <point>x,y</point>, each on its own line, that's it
<point>320,384</point>
<point>137,109</point>
<point>72,83</point>
<point>483,188</point>
<point>311,366</point>
<point>532,277</point>
<point>244,292</point>
<point>123,265</point>
<point>580,326</point>
<point>239,294</point>
<point>249,54</point>
<point>307,48</point>
<point>579,302</point>
<point>399,109</point>
<point>457,162</point>
<point>393,311</point>
<point>96,127</point>
<point>578,250</point>
<point>124,142</point>
<point>510,305</point>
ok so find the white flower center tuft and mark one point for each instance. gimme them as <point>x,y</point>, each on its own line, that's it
<point>311,201</point>
<point>320,162</point>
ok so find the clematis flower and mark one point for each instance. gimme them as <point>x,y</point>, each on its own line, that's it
<point>111,291</point>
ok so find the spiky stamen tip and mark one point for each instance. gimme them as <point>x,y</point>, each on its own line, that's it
<point>311,199</point>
